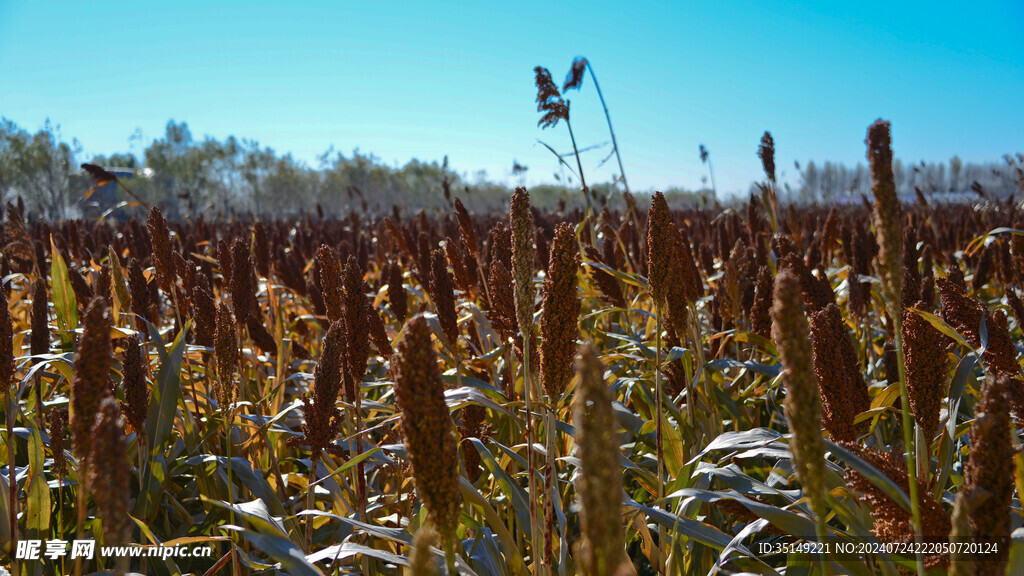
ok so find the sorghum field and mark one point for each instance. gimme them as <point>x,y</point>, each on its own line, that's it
<point>580,392</point>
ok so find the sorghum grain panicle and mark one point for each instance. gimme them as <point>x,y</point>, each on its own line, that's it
<point>319,405</point>
<point>422,561</point>
<point>243,283</point>
<point>224,260</point>
<point>965,314</point>
<point>163,261</point>
<point>1013,299</point>
<point>502,313</point>
<point>599,482</point>
<point>92,375</point>
<point>607,286</point>
<point>442,293</point>
<point>456,259</point>
<point>893,524</point>
<point>760,319</point>
<point>397,296</point>
<point>659,247</point>
<point>791,333</point>
<point>378,332</point>
<point>521,220</point>
<point>844,393</point>
<point>261,249</point>
<point>989,475</point>
<point>136,393</point>
<point>142,302</point>
<point>887,209</point>
<point>467,229</point>
<point>109,474</point>
<point>260,336</point>
<point>330,282</point>
<point>925,353</point>
<point>559,320</point>
<point>57,421</point>
<point>357,350</point>
<point>40,339</point>
<point>226,350</point>
<point>83,292</point>
<point>205,315</point>
<point>473,426</point>
<point>427,427</point>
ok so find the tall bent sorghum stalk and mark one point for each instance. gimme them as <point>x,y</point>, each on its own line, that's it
<point>427,426</point>
<point>600,481</point>
<point>890,272</point>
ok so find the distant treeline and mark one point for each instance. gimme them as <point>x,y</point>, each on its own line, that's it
<point>235,176</point>
<point>831,182</point>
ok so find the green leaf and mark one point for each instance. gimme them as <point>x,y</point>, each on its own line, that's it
<point>65,306</point>
<point>37,521</point>
<point>517,496</point>
<point>282,550</point>
<point>872,474</point>
<point>163,408</point>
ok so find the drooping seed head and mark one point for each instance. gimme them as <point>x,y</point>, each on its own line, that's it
<point>766,152</point>
<point>549,101</point>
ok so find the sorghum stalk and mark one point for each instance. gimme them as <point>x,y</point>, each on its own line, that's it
<point>226,350</point>
<point>521,221</point>
<point>559,330</point>
<point>110,480</point>
<point>7,369</point>
<point>803,404</point>
<point>887,229</point>
<point>600,483</point>
<point>90,387</point>
<point>40,339</point>
<point>659,236</point>
<point>427,426</point>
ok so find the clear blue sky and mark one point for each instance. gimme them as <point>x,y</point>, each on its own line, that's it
<point>423,79</point>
